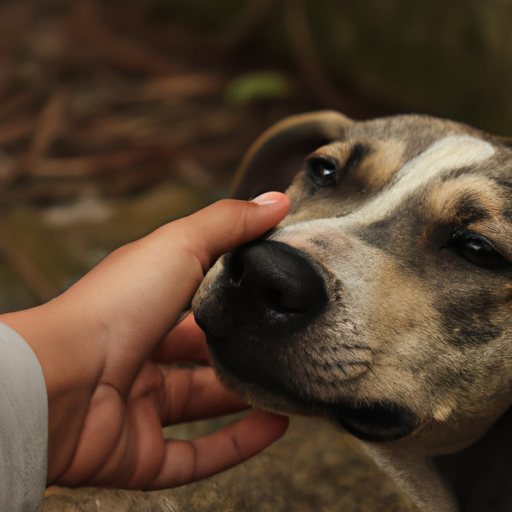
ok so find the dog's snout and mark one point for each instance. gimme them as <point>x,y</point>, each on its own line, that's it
<point>278,281</point>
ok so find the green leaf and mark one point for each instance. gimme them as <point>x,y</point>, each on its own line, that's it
<point>262,85</point>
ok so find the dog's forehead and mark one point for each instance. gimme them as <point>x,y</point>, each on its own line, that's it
<point>417,132</point>
<point>410,156</point>
<point>450,153</point>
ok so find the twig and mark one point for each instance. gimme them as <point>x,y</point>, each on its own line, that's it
<point>117,50</point>
<point>303,49</point>
<point>16,130</point>
<point>180,87</point>
<point>83,166</point>
<point>15,104</point>
<point>48,125</point>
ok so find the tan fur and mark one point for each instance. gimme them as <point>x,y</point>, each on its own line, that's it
<point>403,322</point>
<point>384,161</point>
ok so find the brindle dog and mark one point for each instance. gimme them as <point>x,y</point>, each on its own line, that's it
<point>383,300</point>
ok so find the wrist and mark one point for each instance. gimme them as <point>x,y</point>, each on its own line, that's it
<point>70,368</point>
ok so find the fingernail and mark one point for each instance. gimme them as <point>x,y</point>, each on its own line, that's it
<point>267,198</point>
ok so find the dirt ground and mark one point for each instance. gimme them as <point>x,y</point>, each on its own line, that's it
<point>114,120</point>
<point>313,468</point>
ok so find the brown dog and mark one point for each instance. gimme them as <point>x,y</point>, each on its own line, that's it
<point>383,300</point>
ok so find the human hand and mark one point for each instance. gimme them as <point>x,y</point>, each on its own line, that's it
<point>100,345</point>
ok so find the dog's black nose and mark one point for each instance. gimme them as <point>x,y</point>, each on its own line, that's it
<point>277,285</point>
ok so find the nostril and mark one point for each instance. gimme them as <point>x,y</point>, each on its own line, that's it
<point>285,300</point>
<point>273,298</point>
<point>274,278</point>
<point>236,267</point>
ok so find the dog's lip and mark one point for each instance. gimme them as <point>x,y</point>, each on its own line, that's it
<point>376,421</point>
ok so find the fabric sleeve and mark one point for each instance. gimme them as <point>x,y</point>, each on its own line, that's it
<point>23,425</point>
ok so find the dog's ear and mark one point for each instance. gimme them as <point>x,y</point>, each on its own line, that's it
<point>277,155</point>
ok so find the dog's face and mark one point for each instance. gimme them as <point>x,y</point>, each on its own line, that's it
<point>383,300</point>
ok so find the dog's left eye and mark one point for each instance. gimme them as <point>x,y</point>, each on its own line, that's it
<point>478,249</point>
<point>323,171</point>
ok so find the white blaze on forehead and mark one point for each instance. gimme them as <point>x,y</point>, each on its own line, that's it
<point>449,153</point>
<point>452,152</point>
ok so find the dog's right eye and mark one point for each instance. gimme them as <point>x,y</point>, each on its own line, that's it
<point>478,249</point>
<point>322,171</point>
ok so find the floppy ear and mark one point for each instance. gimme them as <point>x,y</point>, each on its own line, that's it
<point>276,157</point>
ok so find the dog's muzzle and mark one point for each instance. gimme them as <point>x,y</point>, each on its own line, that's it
<point>256,314</point>
<point>266,293</point>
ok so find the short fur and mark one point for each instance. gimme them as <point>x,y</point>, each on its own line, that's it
<point>407,222</point>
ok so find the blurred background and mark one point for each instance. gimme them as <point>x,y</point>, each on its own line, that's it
<point>117,116</point>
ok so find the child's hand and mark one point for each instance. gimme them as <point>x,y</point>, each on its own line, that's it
<point>99,344</point>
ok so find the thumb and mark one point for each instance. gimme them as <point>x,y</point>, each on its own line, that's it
<point>224,225</point>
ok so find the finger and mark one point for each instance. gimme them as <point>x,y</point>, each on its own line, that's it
<point>134,296</point>
<point>185,343</point>
<point>174,259</point>
<point>192,394</point>
<point>219,451</point>
<point>226,224</point>
<point>199,239</point>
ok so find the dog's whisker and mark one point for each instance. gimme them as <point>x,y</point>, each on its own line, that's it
<point>369,368</point>
<point>356,347</point>
<point>341,366</point>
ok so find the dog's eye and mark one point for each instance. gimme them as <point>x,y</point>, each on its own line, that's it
<point>478,249</point>
<point>323,171</point>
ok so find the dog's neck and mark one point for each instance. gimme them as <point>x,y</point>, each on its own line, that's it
<point>427,465</point>
<point>481,475</point>
<point>416,475</point>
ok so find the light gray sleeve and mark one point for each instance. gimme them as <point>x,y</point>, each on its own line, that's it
<point>23,425</point>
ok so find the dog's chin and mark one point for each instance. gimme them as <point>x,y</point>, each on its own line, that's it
<point>375,421</point>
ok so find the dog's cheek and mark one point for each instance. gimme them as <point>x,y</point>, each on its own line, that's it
<point>396,320</point>
<point>469,320</point>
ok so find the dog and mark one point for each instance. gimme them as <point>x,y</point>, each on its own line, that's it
<point>383,301</point>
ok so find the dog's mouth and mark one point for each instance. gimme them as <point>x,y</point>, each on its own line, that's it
<point>265,298</point>
<point>375,421</point>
